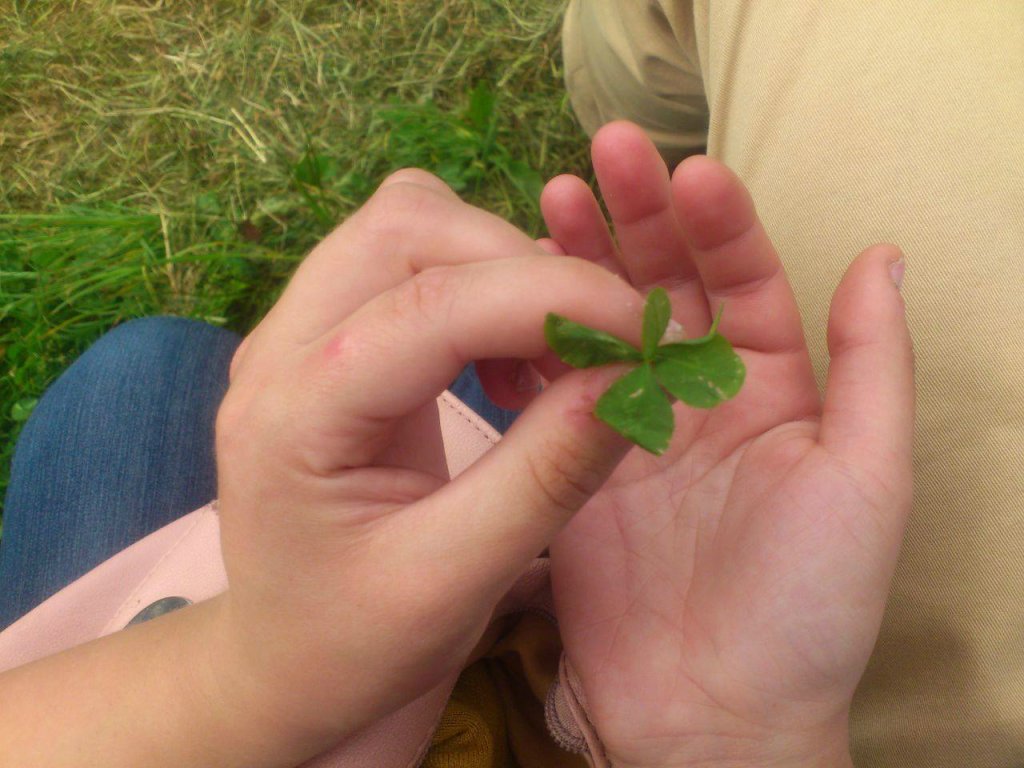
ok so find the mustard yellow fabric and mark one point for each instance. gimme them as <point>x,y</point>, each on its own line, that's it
<point>495,716</point>
<point>856,121</point>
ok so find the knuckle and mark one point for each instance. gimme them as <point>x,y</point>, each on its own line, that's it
<point>232,422</point>
<point>563,478</point>
<point>401,198</point>
<point>344,353</point>
<point>237,357</point>
<point>414,176</point>
<point>389,220</point>
<point>428,294</point>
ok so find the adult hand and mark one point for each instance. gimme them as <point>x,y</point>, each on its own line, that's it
<point>359,576</point>
<point>719,603</point>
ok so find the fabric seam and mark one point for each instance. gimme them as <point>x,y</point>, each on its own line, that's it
<point>462,410</point>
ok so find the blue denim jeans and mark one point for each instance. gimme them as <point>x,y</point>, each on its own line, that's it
<point>119,446</point>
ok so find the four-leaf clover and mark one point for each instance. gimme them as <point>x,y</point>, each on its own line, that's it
<point>701,372</point>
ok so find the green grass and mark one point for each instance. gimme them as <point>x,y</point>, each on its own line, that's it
<point>182,157</point>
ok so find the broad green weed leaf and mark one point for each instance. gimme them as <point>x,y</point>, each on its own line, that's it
<point>481,107</point>
<point>526,180</point>
<point>583,347</point>
<point>657,313</point>
<point>315,169</point>
<point>635,407</point>
<point>22,409</point>
<point>454,173</point>
<point>701,375</point>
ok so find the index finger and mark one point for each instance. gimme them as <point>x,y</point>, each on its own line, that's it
<point>350,387</point>
<point>413,222</point>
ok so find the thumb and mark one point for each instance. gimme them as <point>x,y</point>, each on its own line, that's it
<point>503,511</point>
<point>868,416</point>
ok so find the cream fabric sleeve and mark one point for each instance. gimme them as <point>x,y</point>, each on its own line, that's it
<point>637,60</point>
<point>852,123</point>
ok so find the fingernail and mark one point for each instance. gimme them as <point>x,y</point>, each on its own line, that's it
<point>527,379</point>
<point>674,332</point>
<point>896,271</point>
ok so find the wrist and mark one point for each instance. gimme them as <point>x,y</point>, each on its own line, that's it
<point>155,694</point>
<point>282,701</point>
<point>242,704</point>
<point>823,748</point>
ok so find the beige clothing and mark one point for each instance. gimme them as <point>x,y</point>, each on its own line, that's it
<point>855,122</point>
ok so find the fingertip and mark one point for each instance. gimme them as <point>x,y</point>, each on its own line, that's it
<point>884,250</point>
<point>712,202</point>
<point>619,136</point>
<point>891,258</point>
<point>622,153</point>
<point>576,222</point>
<point>561,186</point>
<point>883,253</point>
<point>868,298</point>
<point>564,200</point>
<point>869,397</point>
<point>694,166</point>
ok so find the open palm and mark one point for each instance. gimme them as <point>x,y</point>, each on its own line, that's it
<point>721,601</point>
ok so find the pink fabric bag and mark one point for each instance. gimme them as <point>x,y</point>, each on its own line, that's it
<point>183,560</point>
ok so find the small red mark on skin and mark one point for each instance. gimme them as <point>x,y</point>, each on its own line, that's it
<point>343,353</point>
<point>335,346</point>
<point>338,352</point>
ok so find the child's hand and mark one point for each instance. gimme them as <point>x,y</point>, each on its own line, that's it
<point>359,576</point>
<point>719,603</point>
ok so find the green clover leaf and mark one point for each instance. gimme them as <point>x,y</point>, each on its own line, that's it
<point>701,372</point>
<point>636,408</point>
<point>657,313</point>
<point>583,347</point>
<point>701,375</point>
